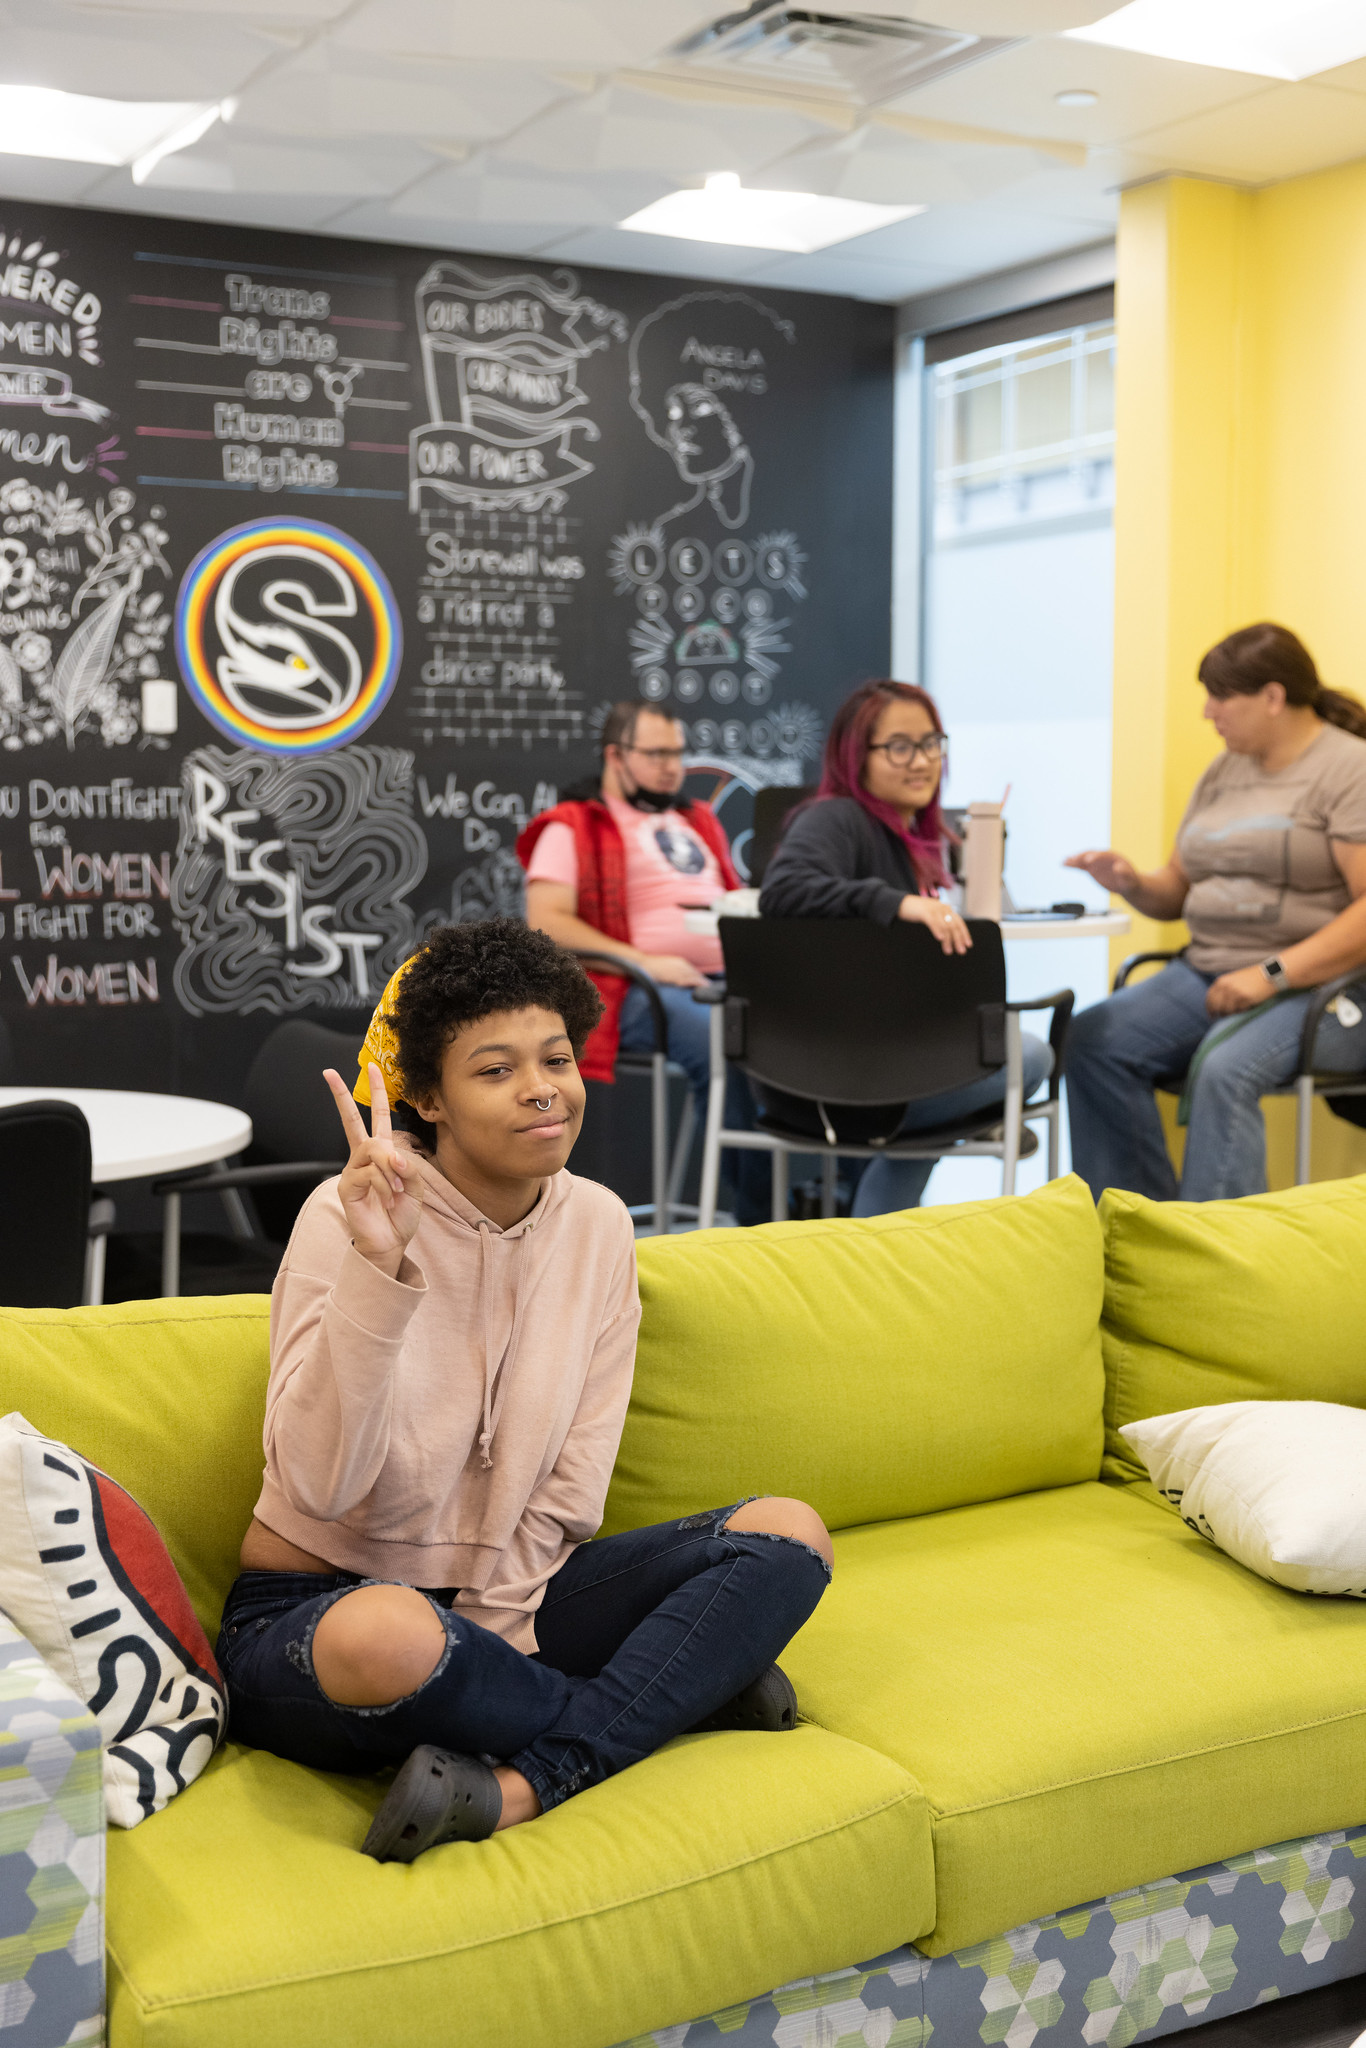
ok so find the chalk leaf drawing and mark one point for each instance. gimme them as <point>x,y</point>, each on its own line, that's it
<point>292,877</point>
<point>79,633</point>
<point>500,361</point>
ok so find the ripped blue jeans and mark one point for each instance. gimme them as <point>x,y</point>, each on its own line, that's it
<point>640,1636</point>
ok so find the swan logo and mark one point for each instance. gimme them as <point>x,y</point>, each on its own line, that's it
<point>288,635</point>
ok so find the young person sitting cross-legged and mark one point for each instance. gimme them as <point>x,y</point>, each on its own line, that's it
<point>452,1340</point>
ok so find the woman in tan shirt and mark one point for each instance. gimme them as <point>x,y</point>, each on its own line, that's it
<point>1269,872</point>
<point>452,1340</point>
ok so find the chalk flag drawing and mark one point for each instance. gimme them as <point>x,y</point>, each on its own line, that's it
<point>288,634</point>
<point>292,877</point>
<point>79,635</point>
<point>500,360</point>
<point>693,363</point>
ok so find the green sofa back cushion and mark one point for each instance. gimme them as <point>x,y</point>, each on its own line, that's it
<point>169,1398</point>
<point>1262,1299</point>
<point>875,1368</point>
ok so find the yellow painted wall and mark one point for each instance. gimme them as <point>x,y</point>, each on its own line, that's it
<point>1241,485</point>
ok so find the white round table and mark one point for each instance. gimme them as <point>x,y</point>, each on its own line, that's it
<point>133,1135</point>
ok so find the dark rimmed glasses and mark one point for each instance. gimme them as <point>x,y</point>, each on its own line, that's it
<point>901,749</point>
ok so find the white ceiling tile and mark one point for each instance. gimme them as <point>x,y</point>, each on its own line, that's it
<point>970,240</point>
<point>889,169</point>
<point>549,31</point>
<point>43,179</point>
<point>1003,17</point>
<point>344,93</point>
<point>885,283</point>
<point>1282,132</point>
<point>132,55</point>
<point>298,212</point>
<point>455,231</point>
<point>251,165</point>
<point>1015,91</point>
<point>621,129</point>
<point>485,191</point>
<point>292,15</point>
<point>1345,78</point>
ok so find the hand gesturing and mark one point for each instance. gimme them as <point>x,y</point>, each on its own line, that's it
<point>381,1183</point>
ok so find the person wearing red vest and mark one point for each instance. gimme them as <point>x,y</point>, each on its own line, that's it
<point>618,872</point>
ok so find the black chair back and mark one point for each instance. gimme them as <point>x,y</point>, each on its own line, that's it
<point>845,1011</point>
<point>44,1204</point>
<point>9,1066</point>
<point>772,808</point>
<point>292,1112</point>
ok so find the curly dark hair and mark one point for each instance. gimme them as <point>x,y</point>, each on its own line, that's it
<point>469,971</point>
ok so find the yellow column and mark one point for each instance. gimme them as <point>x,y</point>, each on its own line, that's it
<point>1180,373</point>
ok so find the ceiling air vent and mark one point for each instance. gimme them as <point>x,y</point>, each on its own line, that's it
<point>860,57</point>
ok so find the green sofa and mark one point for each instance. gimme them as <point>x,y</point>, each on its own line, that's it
<point>1029,1684</point>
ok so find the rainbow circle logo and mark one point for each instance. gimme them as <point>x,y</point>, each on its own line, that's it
<point>288,635</point>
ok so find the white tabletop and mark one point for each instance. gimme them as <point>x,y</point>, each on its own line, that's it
<point>1100,924</point>
<point>132,1135</point>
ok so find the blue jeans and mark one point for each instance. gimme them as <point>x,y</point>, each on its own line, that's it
<point>1118,1048</point>
<point>888,1184</point>
<point>641,1636</point>
<point>689,1041</point>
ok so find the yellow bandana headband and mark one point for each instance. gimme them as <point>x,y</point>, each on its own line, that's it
<point>381,1045</point>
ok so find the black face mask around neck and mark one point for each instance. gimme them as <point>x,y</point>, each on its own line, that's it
<point>654,799</point>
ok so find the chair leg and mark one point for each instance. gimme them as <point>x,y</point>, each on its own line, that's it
<point>1304,1129</point>
<point>239,1219</point>
<point>659,1140</point>
<point>779,1184</point>
<point>93,1291</point>
<point>829,1171</point>
<point>1014,1103</point>
<point>170,1244</point>
<point>687,1124</point>
<point>1054,1140</point>
<point>716,1112</point>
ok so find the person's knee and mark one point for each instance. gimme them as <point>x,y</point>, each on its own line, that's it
<point>1088,1034</point>
<point>777,1515</point>
<point>377,1645</point>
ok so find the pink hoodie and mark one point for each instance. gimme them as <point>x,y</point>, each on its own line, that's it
<point>456,1426</point>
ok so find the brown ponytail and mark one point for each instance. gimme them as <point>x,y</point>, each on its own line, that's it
<point>1257,655</point>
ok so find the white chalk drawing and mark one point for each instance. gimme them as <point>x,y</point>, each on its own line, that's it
<point>691,642</point>
<point>339,385</point>
<point>292,876</point>
<point>79,633</point>
<point>500,361</point>
<point>696,364</point>
<point>49,320</point>
<point>493,887</point>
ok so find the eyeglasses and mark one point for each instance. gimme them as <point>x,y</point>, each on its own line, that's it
<point>657,754</point>
<point>902,749</point>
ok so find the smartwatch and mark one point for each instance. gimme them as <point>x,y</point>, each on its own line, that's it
<point>1274,970</point>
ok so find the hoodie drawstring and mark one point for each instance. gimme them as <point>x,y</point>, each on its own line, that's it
<point>502,1372</point>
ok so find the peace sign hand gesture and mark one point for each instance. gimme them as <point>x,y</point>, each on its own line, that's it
<point>381,1183</point>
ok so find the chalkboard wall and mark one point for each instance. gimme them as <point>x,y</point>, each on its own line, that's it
<point>319,563</point>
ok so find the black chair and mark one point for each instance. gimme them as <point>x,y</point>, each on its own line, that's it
<point>772,808</point>
<point>297,1141</point>
<point>667,1169</point>
<point>48,1224</point>
<point>854,1021</point>
<point>1345,1093</point>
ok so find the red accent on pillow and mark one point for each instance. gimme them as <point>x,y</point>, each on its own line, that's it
<point>137,1548</point>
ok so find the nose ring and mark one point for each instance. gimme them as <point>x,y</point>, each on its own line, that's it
<point>543,1105</point>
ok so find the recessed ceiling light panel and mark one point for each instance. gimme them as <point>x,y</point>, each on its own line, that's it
<point>37,120</point>
<point>1076,96</point>
<point>1270,38</point>
<point>747,218</point>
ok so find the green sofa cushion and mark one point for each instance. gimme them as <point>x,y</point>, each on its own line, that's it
<point>1091,1696</point>
<point>877,1368</point>
<point>244,1917</point>
<point>169,1398</point>
<point>1262,1299</point>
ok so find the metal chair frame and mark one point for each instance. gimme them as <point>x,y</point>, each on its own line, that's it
<point>667,1168</point>
<point>1307,1080</point>
<point>973,1139</point>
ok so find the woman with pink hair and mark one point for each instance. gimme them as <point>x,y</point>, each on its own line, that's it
<point>870,844</point>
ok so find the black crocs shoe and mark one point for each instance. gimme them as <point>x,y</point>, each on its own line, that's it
<point>438,1796</point>
<point>769,1704</point>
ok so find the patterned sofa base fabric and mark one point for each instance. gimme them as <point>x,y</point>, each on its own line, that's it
<point>51,1857</point>
<point>1130,1967</point>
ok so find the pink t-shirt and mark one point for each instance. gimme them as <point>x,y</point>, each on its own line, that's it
<point>669,869</point>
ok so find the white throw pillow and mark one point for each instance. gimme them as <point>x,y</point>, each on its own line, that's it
<point>1280,1485</point>
<point>88,1580</point>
